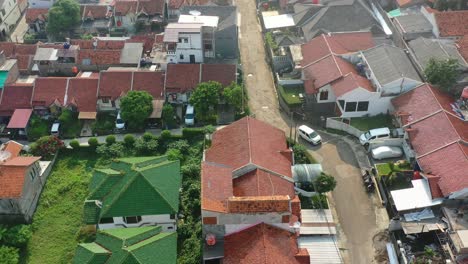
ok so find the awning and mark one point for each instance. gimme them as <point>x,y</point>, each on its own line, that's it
<point>413,198</point>
<point>87,115</point>
<point>20,118</point>
<point>157,109</point>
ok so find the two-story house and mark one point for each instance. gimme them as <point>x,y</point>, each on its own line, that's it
<point>184,42</point>
<point>135,192</point>
<point>10,13</point>
<point>22,181</point>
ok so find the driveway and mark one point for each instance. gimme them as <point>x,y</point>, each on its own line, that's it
<point>360,216</point>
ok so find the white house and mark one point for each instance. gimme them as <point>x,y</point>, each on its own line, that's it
<point>10,13</point>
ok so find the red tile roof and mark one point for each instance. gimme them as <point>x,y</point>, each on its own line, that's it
<point>222,73</point>
<point>258,204</point>
<point>33,14</point>
<point>8,48</point>
<point>149,7</point>
<point>20,118</point>
<point>349,83</point>
<point>82,93</point>
<point>434,186</point>
<point>246,142</point>
<point>452,23</point>
<point>335,43</point>
<point>24,61</point>
<point>114,84</point>
<point>15,96</point>
<point>21,161</point>
<point>95,11</point>
<point>261,183</point>
<point>261,243</point>
<point>100,56</point>
<point>462,45</point>
<point>182,77</point>
<point>450,163</point>
<point>48,91</point>
<point>13,147</point>
<point>102,44</point>
<point>152,82</point>
<point>435,133</point>
<point>147,40</point>
<point>25,49</point>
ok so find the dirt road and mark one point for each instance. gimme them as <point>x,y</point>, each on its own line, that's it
<point>359,220</point>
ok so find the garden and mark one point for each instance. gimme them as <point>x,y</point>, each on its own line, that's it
<point>58,226</point>
<point>290,94</point>
<point>371,122</point>
<point>395,175</point>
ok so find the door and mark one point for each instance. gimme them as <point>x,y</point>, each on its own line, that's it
<point>192,58</point>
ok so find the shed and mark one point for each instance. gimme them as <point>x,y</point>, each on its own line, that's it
<point>20,118</point>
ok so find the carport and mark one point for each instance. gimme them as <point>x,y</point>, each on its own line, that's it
<point>88,118</point>
<point>19,120</point>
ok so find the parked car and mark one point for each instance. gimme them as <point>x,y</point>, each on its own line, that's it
<point>309,135</point>
<point>190,116</point>
<point>386,152</point>
<point>119,123</point>
<point>55,130</point>
<point>374,134</point>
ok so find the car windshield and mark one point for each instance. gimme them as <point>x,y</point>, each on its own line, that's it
<point>189,116</point>
<point>313,134</point>
<point>119,121</point>
<point>367,135</point>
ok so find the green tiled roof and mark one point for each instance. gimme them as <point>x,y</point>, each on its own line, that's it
<point>91,212</point>
<point>140,245</point>
<point>135,186</point>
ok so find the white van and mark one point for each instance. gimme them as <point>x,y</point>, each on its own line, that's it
<point>55,130</point>
<point>309,135</point>
<point>190,116</point>
<point>374,134</point>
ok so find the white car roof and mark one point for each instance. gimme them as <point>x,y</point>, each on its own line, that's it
<point>385,148</point>
<point>379,131</point>
<point>55,126</point>
<point>306,129</point>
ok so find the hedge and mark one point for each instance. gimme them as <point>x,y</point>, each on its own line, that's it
<point>193,133</point>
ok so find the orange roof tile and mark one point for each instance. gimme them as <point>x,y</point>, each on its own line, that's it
<point>13,147</point>
<point>452,23</point>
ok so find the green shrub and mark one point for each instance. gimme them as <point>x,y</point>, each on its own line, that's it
<point>47,146</point>
<point>115,150</point>
<point>9,255</point>
<point>93,142</point>
<point>16,236</point>
<point>209,129</point>
<point>148,136</point>
<point>168,114</point>
<point>146,147</point>
<point>37,128</point>
<point>181,145</point>
<point>165,135</point>
<point>319,202</point>
<point>110,139</point>
<point>190,170</point>
<point>74,144</point>
<point>193,133</point>
<point>174,154</point>
<point>129,140</point>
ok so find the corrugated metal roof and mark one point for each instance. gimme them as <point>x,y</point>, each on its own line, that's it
<point>317,222</point>
<point>322,249</point>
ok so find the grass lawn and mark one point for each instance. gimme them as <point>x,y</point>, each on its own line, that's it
<point>290,94</point>
<point>367,123</point>
<point>58,218</point>
<point>386,168</point>
<point>393,180</point>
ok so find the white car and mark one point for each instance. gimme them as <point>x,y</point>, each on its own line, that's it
<point>309,135</point>
<point>119,123</point>
<point>386,152</point>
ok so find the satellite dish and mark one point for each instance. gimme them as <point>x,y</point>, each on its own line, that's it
<point>194,12</point>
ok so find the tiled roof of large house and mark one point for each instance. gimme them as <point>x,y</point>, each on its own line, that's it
<point>114,84</point>
<point>425,49</point>
<point>49,90</point>
<point>138,245</point>
<point>150,81</point>
<point>8,48</point>
<point>82,93</point>
<point>350,82</point>
<point>436,134</point>
<point>257,154</point>
<point>101,44</point>
<point>134,186</point>
<point>33,14</point>
<point>335,43</point>
<point>389,63</point>
<point>99,56</point>
<point>15,96</point>
<point>452,23</point>
<point>222,73</point>
<point>93,11</point>
<point>148,7</point>
<point>23,53</point>
<point>261,243</point>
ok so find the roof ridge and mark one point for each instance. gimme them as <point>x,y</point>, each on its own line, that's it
<point>160,194</point>
<point>317,60</point>
<point>424,117</point>
<point>124,188</point>
<point>437,149</point>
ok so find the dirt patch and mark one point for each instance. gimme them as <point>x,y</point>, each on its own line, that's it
<point>380,241</point>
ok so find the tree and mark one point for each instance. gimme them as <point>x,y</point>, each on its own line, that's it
<point>324,183</point>
<point>16,236</point>
<point>233,95</point>
<point>135,108</point>
<point>46,146</point>
<point>63,17</point>
<point>168,116</point>
<point>9,255</point>
<point>205,98</point>
<point>442,73</point>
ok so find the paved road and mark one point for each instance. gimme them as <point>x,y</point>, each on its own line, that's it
<point>359,220</point>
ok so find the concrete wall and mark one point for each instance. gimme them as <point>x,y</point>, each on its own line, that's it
<point>11,17</point>
<point>377,104</point>
<point>168,224</point>
<point>289,81</point>
<point>334,123</point>
<point>41,3</point>
<point>193,47</point>
<point>226,43</point>
<point>236,219</point>
<point>331,95</point>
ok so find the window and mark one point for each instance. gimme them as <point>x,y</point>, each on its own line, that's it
<point>106,220</point>
<point>208,47</point>
<point>341,102</point>
<point>172,216</point>
<point>181,56</point>
<point>362,106</point>
<point>350,106</point>
<point>324,95</point>
<point>170,227</point>
<point>132,219</point>
<point>183,40</point>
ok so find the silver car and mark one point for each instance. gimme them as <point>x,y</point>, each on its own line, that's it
<point>386,152</point>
